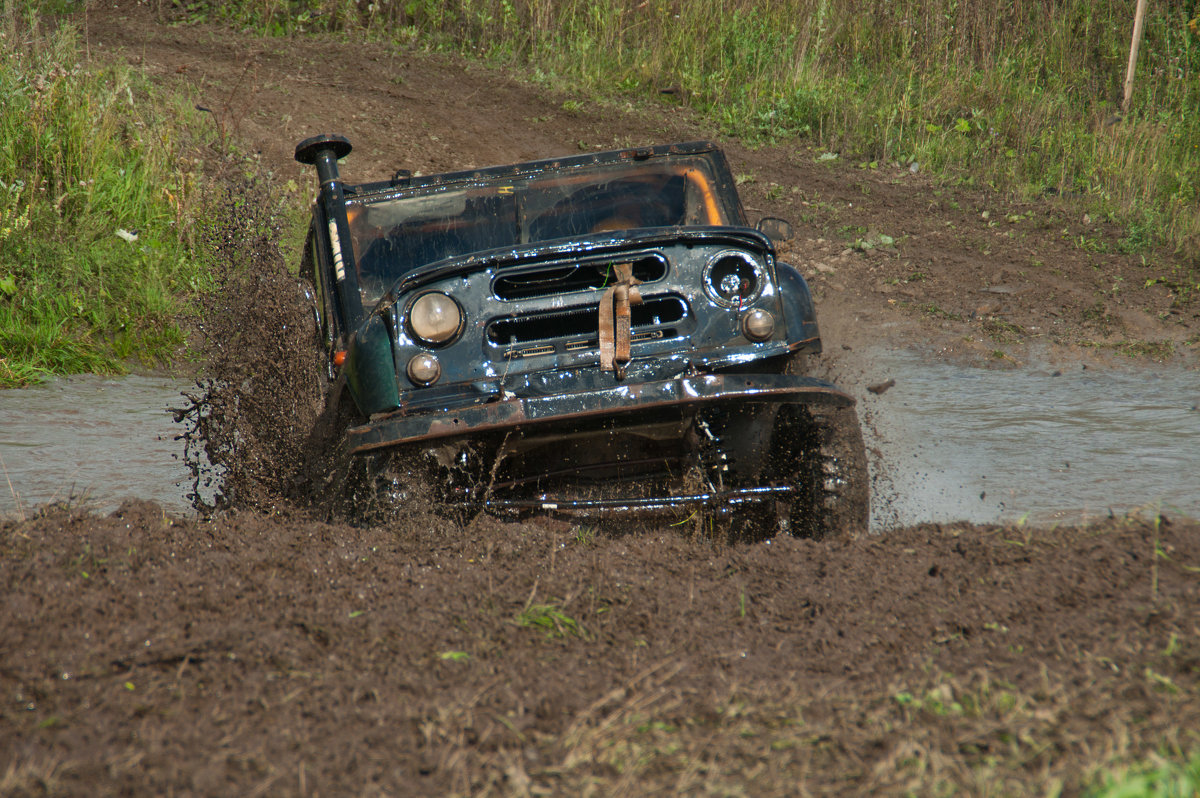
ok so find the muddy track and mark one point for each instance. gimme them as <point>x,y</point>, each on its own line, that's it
<point>968,270</point>
<point>271,653</point>
<point>151,655</point>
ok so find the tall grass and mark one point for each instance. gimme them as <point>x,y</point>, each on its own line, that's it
<point>94,210</point>
<point>1022,94</point>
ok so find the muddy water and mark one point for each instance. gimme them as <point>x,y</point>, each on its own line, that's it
<point>956,442</point>
<point>1053,444</point>
<point>93,440</point>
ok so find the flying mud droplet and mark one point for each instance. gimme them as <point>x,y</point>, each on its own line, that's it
<point>881,387</point>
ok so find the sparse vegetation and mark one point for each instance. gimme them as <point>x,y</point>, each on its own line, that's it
<point>551,619</point>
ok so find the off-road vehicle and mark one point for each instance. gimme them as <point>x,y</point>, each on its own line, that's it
<point>595,335</point>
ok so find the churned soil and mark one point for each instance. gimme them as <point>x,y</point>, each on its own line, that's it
<point>271,652</point>
<point>145,654</point>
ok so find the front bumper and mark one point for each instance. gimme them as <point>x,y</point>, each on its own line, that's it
<point>528,413</point>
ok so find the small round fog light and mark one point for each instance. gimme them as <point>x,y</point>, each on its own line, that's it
<point>758,324</point>
<point>424,368</point>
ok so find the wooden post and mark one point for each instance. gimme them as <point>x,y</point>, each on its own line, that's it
<point>1138,18</point>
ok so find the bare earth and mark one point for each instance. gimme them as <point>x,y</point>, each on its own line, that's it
<point>272,654</point>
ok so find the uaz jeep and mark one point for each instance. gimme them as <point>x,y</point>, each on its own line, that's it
<point>591,335</point>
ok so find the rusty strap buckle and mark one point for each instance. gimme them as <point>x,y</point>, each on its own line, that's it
<point>614,320</point>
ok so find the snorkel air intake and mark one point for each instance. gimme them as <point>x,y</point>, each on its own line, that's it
<point>323,152</point>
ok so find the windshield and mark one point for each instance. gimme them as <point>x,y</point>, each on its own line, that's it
<point>392,236</point>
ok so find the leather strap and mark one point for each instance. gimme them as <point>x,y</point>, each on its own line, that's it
<point>615,320</point>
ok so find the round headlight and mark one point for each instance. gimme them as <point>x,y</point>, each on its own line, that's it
<point>424,368</point>
<point>732,278</point>
<point>435,318</point>
<point>758,325</point>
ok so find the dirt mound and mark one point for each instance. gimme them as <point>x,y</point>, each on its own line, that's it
<point>145,653</point>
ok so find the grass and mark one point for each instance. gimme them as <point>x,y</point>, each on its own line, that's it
<point>96,200</point>
<point>551,619</point>
<point>1006,740</point>
<point>1155,777</point>
<point>1022,97</point>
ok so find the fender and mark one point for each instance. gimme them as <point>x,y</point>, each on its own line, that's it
<point>798,308</point>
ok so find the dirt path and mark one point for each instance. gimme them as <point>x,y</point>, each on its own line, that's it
<point>967,271</point>
<point>275,655</point>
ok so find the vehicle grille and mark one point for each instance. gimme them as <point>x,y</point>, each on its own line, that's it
<point>576,329</point>
<point>564,278</point>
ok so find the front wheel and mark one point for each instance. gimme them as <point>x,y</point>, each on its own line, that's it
<point>818,451</point>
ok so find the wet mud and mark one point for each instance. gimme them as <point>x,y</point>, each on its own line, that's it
<point>146,653</point>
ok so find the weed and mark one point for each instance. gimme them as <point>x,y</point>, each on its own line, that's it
<point>551,619</point>
<point>1154,777</point>
<point>1003,332</point>
<point>934,311</point>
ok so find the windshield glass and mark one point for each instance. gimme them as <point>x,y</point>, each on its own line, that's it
<point>410,229</point>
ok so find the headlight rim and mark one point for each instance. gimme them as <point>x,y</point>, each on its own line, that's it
<point>711,289</point>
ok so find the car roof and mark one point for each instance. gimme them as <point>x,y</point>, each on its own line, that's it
<point>403,179</point>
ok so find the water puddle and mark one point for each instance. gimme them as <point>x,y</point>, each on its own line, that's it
<point>957,442</point>
<point>1049,444</point>
<point>93,441</point>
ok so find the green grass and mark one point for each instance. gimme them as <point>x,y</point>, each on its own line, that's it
<point>1158,777</point>
<point>95,203</point>
<point>551,619</point>
<point>1021,96</point>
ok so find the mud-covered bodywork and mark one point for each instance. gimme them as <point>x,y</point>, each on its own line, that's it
<point>593,334</point>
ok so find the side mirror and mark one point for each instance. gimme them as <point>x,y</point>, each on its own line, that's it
<point>775,229</point>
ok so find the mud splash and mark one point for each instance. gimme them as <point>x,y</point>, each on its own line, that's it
<point>249,420</point>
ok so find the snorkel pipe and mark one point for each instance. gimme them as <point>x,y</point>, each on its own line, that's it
<point>324,151</point>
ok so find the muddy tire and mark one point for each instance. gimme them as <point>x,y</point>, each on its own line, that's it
<point>843,503</point>
<point>818,451</point>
